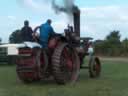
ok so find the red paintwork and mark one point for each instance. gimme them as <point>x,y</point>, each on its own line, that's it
<point>53,42</point>
<point>69,60</point>
<point>25,51</point>
<point>42,59</point>
<point>26,61</point>
<point>97,68</point>
<point>27,67</point>
<point>70,64</point>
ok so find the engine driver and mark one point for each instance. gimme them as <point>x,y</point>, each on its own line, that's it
<point>46,31</point>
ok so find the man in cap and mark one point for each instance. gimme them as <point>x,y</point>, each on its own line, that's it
<point>26,32</point>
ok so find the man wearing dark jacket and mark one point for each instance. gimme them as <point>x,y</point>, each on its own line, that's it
<point>26,32</point>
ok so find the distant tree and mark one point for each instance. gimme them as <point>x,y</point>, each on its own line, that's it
<point>114,34</point>
<point>111,46</point>
<point>113,43</point>
<point>114,37</point>
<point>15,37</point>
<point>125,47</point>
<point>0,40</point>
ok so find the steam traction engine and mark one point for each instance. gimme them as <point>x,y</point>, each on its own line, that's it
<point>62,59</point>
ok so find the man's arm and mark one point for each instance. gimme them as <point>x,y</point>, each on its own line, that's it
<point>35,34</point>
<point>35,30</point>
<point>52,31</point>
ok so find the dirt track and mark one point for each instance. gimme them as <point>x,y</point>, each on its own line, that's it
<point>114,59</point>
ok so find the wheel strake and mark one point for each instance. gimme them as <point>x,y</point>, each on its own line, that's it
<point>65,64</point>
<point>32,68</point>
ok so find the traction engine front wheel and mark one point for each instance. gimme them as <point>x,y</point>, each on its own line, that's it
<point>94,67</point>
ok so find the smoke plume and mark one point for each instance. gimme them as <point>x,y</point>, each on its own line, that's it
<point>67,6</point>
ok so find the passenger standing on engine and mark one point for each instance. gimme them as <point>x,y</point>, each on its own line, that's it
<point>26,32</point>
<point>46,31</point>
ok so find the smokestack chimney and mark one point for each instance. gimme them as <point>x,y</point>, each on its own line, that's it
<point>76,17</point>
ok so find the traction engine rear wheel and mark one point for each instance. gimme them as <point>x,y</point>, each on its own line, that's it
<point>32,67</point>
<point>66,64</point>
<point>94,67</point>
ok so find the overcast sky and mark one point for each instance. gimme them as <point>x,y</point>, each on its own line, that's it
<point>98,17</point>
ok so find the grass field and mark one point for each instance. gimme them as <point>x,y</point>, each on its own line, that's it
<point>113,82</point>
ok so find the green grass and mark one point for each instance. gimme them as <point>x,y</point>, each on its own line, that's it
<point>113,82</point>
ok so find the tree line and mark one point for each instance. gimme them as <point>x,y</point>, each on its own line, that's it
<point>112,45</point>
